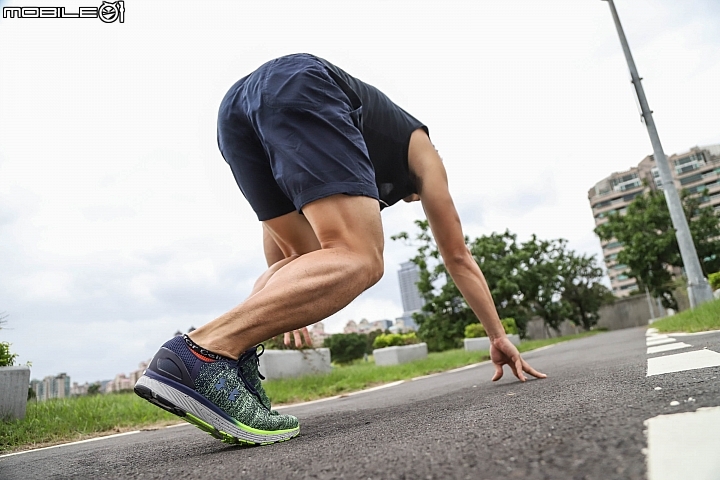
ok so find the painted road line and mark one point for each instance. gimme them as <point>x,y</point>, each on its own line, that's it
<point>651,331</point>
<point>72,443</point>
<point>683,334</point>
<point>680,362</point>
<point>651,343</point>
<point>667,348</point>
<point>652,337</point>
<point>684,445</point>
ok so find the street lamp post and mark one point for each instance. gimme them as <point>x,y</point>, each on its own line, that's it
<point>699,290</point>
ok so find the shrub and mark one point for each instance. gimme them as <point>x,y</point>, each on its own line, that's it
<point>509,325</point>
<point>346,347</point>
<point>7,359</point>
<point>714,279</point>
<point>395,340</point>
<point>476,330</point>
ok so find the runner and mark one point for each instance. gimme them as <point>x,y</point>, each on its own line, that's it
<point>317,153</point>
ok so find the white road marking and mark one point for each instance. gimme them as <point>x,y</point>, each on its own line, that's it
<point>652,337</point>
<point>683,334</point>
<point>651,331</point>
<point>684,445</point>
<point>72,443</point>
<point>651,343</point>
<point>683,361</point>
<point>667,348</point>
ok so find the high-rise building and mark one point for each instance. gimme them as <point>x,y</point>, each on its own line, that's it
<point>412,301</point>
<point>409,276</point>
<point>696,170</point>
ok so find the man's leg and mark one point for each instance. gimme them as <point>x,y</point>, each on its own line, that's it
<point>313,286</point>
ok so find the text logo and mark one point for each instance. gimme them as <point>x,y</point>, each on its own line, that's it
<point>108,12</point>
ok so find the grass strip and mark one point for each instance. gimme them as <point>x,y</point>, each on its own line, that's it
<point>77,418</point>
<point>700,319</point>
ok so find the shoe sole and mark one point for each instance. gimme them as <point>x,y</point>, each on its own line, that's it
<point>191,410</point>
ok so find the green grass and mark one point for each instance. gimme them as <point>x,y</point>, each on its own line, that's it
<point>77,418</point>
<point>703,318</point>
<point>57,421</point>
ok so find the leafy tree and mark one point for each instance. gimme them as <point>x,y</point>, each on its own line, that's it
<point>31,394</point>
<point>541,282</point>
<point>346,347</point>
<point>536,277</point>
<point>445,314</point>
<point>93,389</point>
<point>650,245</point>
<point>7,359</point>
<point>371,336</point>
<point>582,289</point>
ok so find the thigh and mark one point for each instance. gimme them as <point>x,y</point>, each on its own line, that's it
<point>339,221</point>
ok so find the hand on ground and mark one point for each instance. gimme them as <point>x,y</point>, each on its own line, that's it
<point>502,352</point>
<point>299,335</point>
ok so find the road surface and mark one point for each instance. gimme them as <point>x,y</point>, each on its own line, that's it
<point>591,419</point>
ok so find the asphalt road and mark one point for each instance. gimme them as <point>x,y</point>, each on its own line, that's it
<point>583,422</point>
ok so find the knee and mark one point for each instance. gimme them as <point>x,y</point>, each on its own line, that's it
<point>375,269</point>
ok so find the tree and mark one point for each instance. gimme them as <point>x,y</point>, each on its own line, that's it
<point>536,277</point>
<point>93,389</point>
<point>7,359</point>
<point>346,347</point>
<point>650,247</point>
<point>582,289</point>
<point>445,314</point>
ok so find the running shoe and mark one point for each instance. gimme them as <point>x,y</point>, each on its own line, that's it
<point>214,393</point>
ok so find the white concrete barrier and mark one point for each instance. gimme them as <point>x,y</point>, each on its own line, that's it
<point>294,363</point>
<point>14,384</point>
<point>483,343</point>
<point>398,355</point>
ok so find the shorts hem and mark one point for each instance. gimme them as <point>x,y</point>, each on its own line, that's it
<point>329,189</point>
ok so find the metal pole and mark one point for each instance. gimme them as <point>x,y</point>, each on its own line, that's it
<point>699,290</point>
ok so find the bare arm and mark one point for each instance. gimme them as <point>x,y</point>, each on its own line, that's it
<point>445,225</point>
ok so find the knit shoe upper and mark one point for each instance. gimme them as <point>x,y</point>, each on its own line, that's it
<point>221,396</point>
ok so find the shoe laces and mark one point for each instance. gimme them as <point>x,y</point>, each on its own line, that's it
<point>251,355</point>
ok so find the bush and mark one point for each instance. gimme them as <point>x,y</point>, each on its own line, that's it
<point>7,359</point>
<point>395,340</point>
<point>714,279</point>
<point>476,330</point>
<point>509,325</point>
<point>346,347</point>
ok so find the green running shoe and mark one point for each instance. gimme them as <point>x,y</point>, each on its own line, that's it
<point>214,393</point>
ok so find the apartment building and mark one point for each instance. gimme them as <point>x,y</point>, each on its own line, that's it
<point>51,387</point>
<point>697,171</point>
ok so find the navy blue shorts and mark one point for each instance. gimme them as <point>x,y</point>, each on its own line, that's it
<point>291,136</point>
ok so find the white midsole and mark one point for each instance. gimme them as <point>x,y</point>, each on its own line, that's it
<point>190,405</point>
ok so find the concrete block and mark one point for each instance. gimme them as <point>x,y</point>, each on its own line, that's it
<point>294,363</point>
<point>14,384</point>
<point>483,343</point>
<point>398,355</point>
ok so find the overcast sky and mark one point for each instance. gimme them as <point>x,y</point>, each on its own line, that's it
<point>120,222</point>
